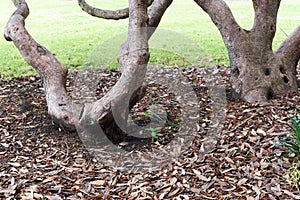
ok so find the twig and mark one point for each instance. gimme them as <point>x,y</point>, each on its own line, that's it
<point>52,154</point>
<point>109,187</point>
<point>67,154</point>
<point>246,120</point>
<point>283,32</point>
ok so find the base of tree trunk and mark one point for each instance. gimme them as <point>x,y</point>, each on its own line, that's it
<point>258,82</point>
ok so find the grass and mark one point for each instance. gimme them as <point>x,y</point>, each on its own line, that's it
<point>292,140</point>
<point>294,174</point>
<point>72,35</point>
<point>292,143</point>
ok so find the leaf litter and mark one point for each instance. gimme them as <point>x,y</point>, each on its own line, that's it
<point>39,160</point>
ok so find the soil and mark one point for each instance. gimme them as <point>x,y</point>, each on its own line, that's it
<point>246,159</point>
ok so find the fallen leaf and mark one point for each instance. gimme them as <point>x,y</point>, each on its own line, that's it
<point>97,183</point>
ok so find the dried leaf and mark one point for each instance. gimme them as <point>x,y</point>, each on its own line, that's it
<point>97,183</point>
<point>5,145</point>
<point>242,181</point>
<point>15,164</point>
<point>200,176</point>
<point>173,193</point>
<point>49,179</point>
<point>291,194</point>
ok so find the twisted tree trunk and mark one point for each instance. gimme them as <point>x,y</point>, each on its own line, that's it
<point>52,72</point>
<point>257,73</point>
<point>127,91</point>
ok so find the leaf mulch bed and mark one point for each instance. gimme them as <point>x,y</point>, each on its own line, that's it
<point>39,160</point>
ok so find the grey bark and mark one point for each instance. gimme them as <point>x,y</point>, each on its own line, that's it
<point>52,72</point>
<point>155,14</point>
<point>257,73</point>
<point>128,89</point>
<point>106,14</point>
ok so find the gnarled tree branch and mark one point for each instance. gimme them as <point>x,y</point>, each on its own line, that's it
<point>228,27</point>
<point>52,72</point>
<point>265,20</point>
<point>127,91</point>
<point>290,48</point>
<point>113,107</point>
<point>256,73</point>
<point>106,14</point>
<point>155,14</point>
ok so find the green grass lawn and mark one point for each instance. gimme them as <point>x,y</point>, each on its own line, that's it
<point>72,35</point>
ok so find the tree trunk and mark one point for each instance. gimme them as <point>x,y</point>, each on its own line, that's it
<point>115,105</point>
<point>52,72</point>
<point>257,73</point>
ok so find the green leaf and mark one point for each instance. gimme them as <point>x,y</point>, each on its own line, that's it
<point>296,127</point>
<point>290,144</point>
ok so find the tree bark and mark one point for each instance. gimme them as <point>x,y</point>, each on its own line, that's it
<point>116,102</point>
<point>133,59</point>
<point>155,13</point>
<point>106,14</point>
<point>114,105</point>
<point>52,72</point>
<point>257,73</point>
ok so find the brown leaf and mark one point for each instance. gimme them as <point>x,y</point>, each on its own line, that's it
<point>196,190</point>
<point>229,160</point>
<point>291,194</point>
<point>15,164</point>
<point>49,179</point>
<point>200,176</point>
<point>173,193</point>
<point>242,181</point>
<point>97,183</point>
<point>5,145</point>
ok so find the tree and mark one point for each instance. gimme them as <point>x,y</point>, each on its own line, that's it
<point>257,73</point>
<point>133,59</point>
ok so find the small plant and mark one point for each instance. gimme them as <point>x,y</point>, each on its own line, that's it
<point>294,174</point>
<point>292,140</point>
<point>296,127</point>
<point>155,134</point>
<point>150,113</point>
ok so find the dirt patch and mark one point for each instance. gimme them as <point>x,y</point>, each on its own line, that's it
<point>40,160</point>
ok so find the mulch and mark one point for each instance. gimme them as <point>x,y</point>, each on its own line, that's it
<point>41,161</point>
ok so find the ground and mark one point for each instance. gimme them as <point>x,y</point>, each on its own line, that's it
<point>38,159</point>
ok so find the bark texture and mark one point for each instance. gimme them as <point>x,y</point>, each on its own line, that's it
<point>114,105</point>
<point>133,59</point>
<point>127,91</point>
<point>257,72</point>
<point>106,14</point>
<point>155,14</point>
<point>52,72</point>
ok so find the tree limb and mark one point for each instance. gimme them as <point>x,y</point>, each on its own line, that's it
<point>106,14</point>
<point>155,14</point>
<point>223,18</point>
<point>265,19</point>
<point>290,48</point>
<point>52,72</point>
<point>114,105</point>
<point>127,91</point>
